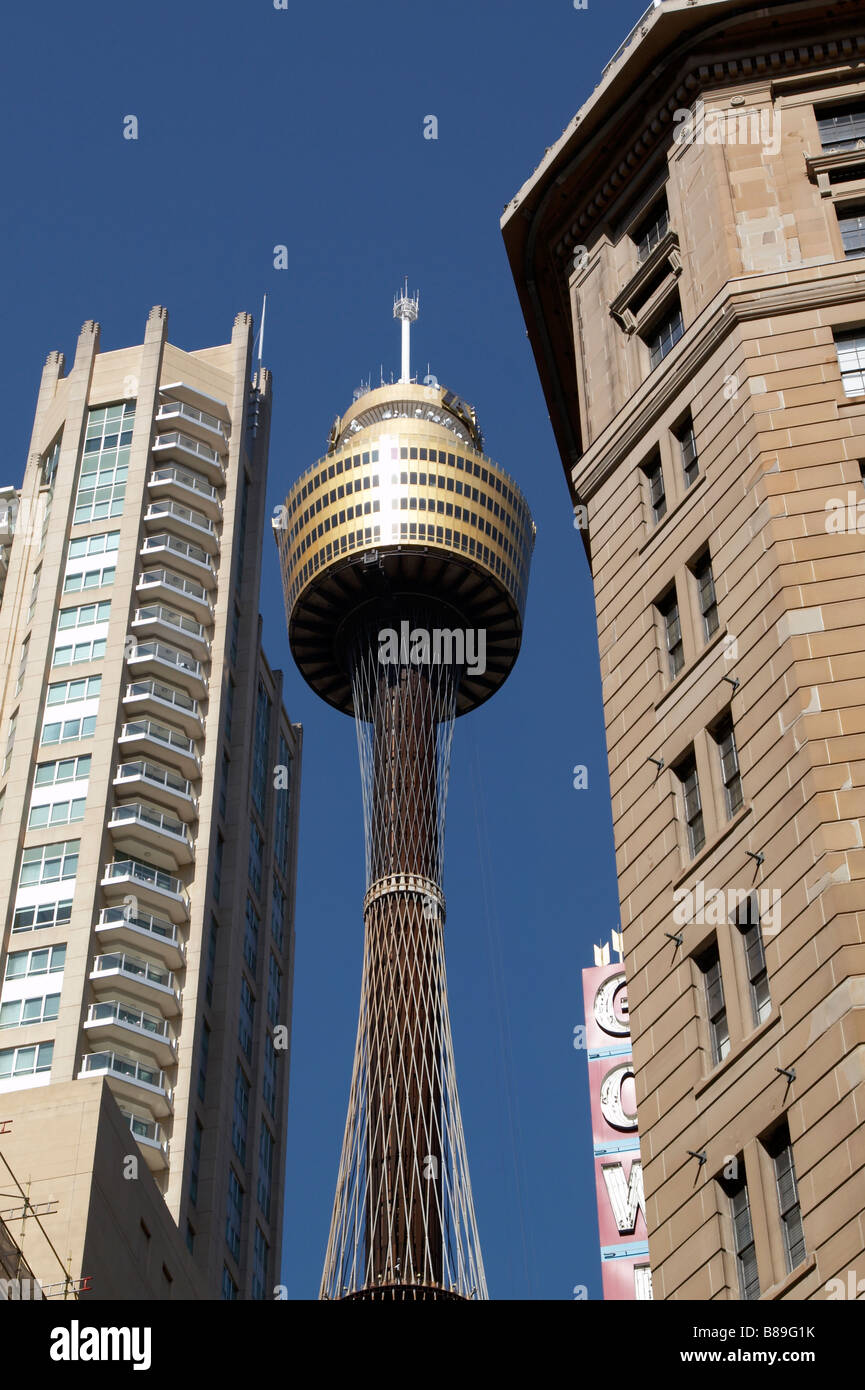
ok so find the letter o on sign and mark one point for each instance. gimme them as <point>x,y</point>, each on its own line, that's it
<point>611,1097</point>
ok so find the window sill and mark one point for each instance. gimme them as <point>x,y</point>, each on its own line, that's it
<point>708,850</point>
<point>856,404</point>
<point>692,666</point>
<point>674,511</point>
<point>737,1052</point>
<point>800,1272</point>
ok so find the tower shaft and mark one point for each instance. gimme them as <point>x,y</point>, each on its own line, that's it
<point>403,1223</point>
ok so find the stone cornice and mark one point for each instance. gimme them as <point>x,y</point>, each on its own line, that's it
<point>733,71</point>
<point>667,383</point>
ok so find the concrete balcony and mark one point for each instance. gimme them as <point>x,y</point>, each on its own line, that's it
<point>181,555</point>
<point>131,1078</point>
<point>116,1023</point>
<point>187,522</point>
<point>180,447</point>
<point>134,883</point>
<point>150,736</point>
<point>176,589</point>
<point>158,620</point>
<point>159,659</point>
<point>141,979</point>
<point>185,408</point>
<point>157,697</point>
<point>121,927</point>
<point>138,828</point>
<point>174,482</point>
<point>145,778</point>
<point>150,1136</point>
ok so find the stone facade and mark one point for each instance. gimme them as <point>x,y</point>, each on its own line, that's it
<point>743,416</point>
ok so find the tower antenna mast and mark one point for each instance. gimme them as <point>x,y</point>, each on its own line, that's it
<point>405,308</point>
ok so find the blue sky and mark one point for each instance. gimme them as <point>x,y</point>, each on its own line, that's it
<point>304,128</point>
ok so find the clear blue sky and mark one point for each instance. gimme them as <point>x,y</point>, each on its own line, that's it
<point>304,127</point>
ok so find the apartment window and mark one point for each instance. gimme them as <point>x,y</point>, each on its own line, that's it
<point>652,230</point>
<point>270,1077</point>
<point>22,664</point>
<point>223,786</point>
<point>654,474</point>
<point>687,441</point>
<point>55,914</point>
<point>841,127</point>
<point>241,530</point>
<point>235,631</point>
<point>211,960</point>
<point>67,811</point>
<point>34,590</point>
<point>63,770</point>
<point>195,1162</point>
<point>850,349</point>
<point>49,863</point>
<point>277,914</point>
<point>743,1234</point>
<point>50,460</point>
<point>256,857</point>
<point>190,1238</point>
<point>730,775</point>
<point>716,1009</point>
<point>240,1117</point>
<point>702,571</point>
<point>250,936</point>
<point>280,820</point>
<point>669,611</point>
<point>84,615</point>
<point>96,578</point>
<point>229,1288</point>
<point>72,654</point>
<point>246,1022</point>
<point>851,222</point>
<point>274,989</point>
<point>25,1061</point>
<point>260,758</point>
<point>10,740</point>
<point>229,708</point>
<point>662,336</point>
<point>687,774</point>
<point>217,866</point>
<point>781,1151</point>
<point>234,1214</point>
<point>748,922</point>
<point>266,1146</point>
<point>105,465</point>
<point>47,960</point>
<point>105,543</point>
<point>42,1008</point>
<point>260,1257</point>
<point>202,1060</point>
<point>68,730</point>
<point>70,692</point>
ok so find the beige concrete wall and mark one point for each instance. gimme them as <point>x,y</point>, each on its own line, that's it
<point>68,1146</point>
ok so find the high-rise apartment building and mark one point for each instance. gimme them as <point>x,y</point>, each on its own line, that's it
<point>688,260</point>
<point>149,794</point>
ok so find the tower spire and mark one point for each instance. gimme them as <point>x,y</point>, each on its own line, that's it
<point>406,308</point>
